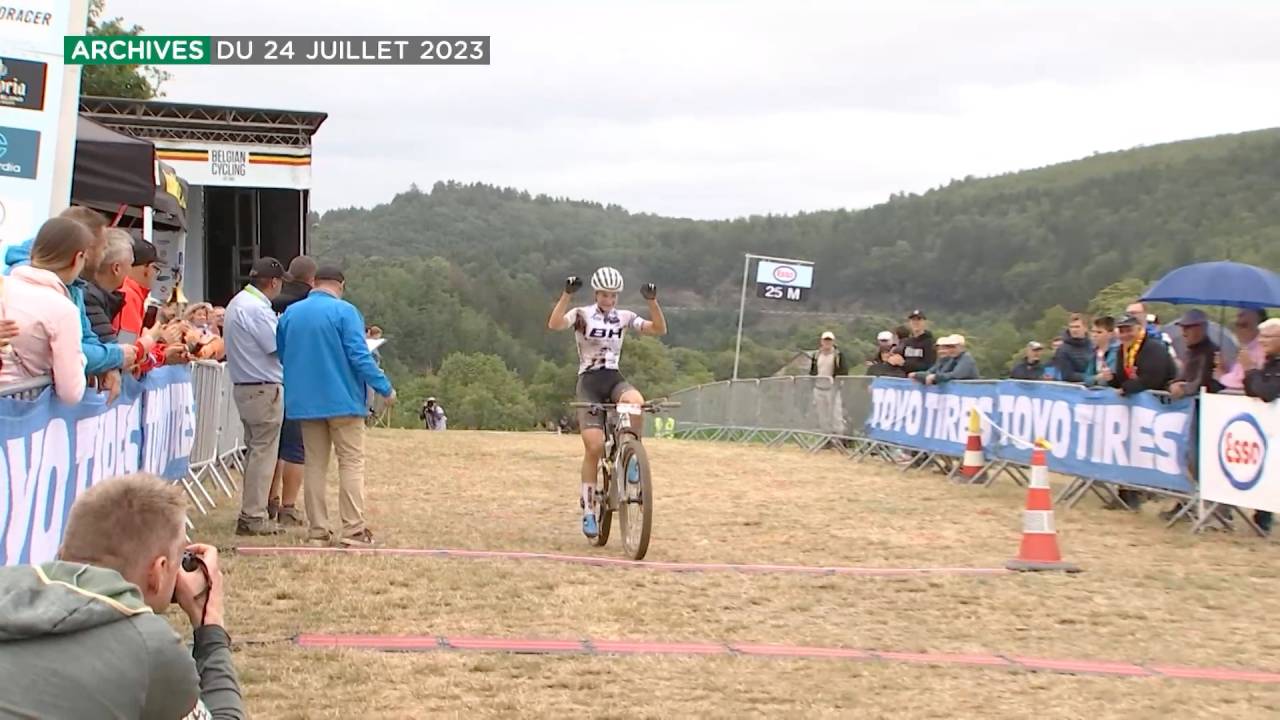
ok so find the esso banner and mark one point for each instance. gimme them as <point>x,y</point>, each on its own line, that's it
<point>1240,451</point>
<point>798,275</point>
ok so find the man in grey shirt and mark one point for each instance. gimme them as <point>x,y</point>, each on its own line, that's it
<point>258,388</point>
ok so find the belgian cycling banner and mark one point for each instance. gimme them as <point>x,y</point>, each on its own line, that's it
<point>1140,441</point>
<point>54,451</point>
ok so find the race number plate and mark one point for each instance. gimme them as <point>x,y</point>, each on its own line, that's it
<point>629,409</point>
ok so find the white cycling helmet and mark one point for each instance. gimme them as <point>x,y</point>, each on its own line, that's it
<point>606,279</point>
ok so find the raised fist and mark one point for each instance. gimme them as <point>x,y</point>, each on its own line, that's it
<point>649,291</point>
<point>572,284</point>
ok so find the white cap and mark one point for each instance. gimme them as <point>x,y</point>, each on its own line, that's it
<point>885,335</point>
<point>828,335</point>
<point>949,340</point>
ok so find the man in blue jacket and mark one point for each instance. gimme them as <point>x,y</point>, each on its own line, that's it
<point>327,366</point>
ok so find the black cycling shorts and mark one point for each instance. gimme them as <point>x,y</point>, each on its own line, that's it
<point>599,386</point>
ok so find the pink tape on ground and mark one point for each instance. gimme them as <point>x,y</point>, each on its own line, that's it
<point>633,647</point>
<point>615,562</point>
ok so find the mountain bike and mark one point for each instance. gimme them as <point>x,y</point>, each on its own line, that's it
<point>624,457</point>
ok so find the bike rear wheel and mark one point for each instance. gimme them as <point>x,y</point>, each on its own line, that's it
<point>635,511</point>
<point>604,508</point>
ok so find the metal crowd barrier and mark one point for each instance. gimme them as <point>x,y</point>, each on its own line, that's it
<point>29,389</point>
<point>807,411</point>
<point>219,441</point>
<point>818,413</point>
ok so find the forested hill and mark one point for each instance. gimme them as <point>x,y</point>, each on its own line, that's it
<point>474,268</point>
<point>1023,241</point>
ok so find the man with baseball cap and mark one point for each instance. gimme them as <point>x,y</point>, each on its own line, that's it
<point>919,352</point>
<point>257,377</point>
<point>327,366</point>
<point>1198,363</point>
<point>1031,366</point>
<point>885,362</point>
<point>828,361</point>
<point>137,286</point>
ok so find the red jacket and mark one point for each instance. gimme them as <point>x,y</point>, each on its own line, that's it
<point>130,317</point>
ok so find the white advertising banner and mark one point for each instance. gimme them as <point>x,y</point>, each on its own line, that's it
<point>38,106</point>
<point>236,165</point>
<point>798,275</point>
<point>1238,463</point>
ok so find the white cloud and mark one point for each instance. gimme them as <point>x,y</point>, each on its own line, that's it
<point>720,109</point>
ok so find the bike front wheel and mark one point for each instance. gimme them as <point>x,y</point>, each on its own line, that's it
<point>635,511</point>
<point>604,508</point>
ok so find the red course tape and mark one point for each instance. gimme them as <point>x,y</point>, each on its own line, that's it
<point>641,647</point>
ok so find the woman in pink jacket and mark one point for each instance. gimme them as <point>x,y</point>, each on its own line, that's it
<point>36,296</point>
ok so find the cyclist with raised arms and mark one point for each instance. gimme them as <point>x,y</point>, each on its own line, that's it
<point>599,329</point>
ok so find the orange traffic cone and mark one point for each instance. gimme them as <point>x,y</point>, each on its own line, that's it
<point>974,460</point>
<point>1039,550</point>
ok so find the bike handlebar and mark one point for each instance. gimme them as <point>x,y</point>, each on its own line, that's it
<point>651,406</point>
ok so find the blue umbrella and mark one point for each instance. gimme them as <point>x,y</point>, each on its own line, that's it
<point>1222,283</point>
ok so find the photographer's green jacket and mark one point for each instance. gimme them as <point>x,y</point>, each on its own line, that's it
<point>77,641</point>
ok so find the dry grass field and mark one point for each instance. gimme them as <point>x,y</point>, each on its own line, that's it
<point>1147,596</point>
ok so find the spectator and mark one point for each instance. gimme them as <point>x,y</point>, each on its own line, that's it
<point>1031,367</point>
<point>1142,362</point>
<point>954,363</point>
<point>1071,359</point>
<point>103,362</point>
<point>881,363</point>
<point>298,283</point>
<point>1139,310</point>
<point>1106,348</point>
<point>918,352</point>
<point>287,483</point>
<point>198,315</point>
<point>828,361</point>
<point>433,415</point>
<point>1196,373</point>
<point>103,300</point>
<point>1262,381</point>
<point>85,636</point>
<point>1197,366</point>
<point>257,378</point>
<point>1246,326</point>
<point>218,320</point>
<point>326,367</point>
<point>826,364</point>
<point>963,366</point>
<point>38,299</point>
<point>136,288</point>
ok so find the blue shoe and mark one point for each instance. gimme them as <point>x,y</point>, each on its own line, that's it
<point>589,526</point>
<point>633,473</point>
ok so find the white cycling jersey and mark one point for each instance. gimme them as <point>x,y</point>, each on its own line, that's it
<point>600,336</point>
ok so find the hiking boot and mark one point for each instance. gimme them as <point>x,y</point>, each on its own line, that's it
<point>257,527</point>
<point>288,516</point>
<point>320,537</point>
<point>362,539</point>
<point>273,509</point>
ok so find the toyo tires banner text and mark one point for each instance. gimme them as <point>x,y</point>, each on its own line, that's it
<point>1140,441</point>
<point>53,452</point>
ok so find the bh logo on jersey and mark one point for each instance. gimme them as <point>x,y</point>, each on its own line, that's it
<point>1242,451</point>
<point>606,333</point>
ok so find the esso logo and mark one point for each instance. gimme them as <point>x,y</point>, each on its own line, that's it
<point>1242,451</point>
<point>784,274</point>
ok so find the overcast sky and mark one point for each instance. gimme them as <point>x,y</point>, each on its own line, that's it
<point>724,108</point>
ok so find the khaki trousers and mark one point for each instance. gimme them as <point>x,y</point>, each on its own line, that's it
<point>261,409</point>
<point>321,438</point>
